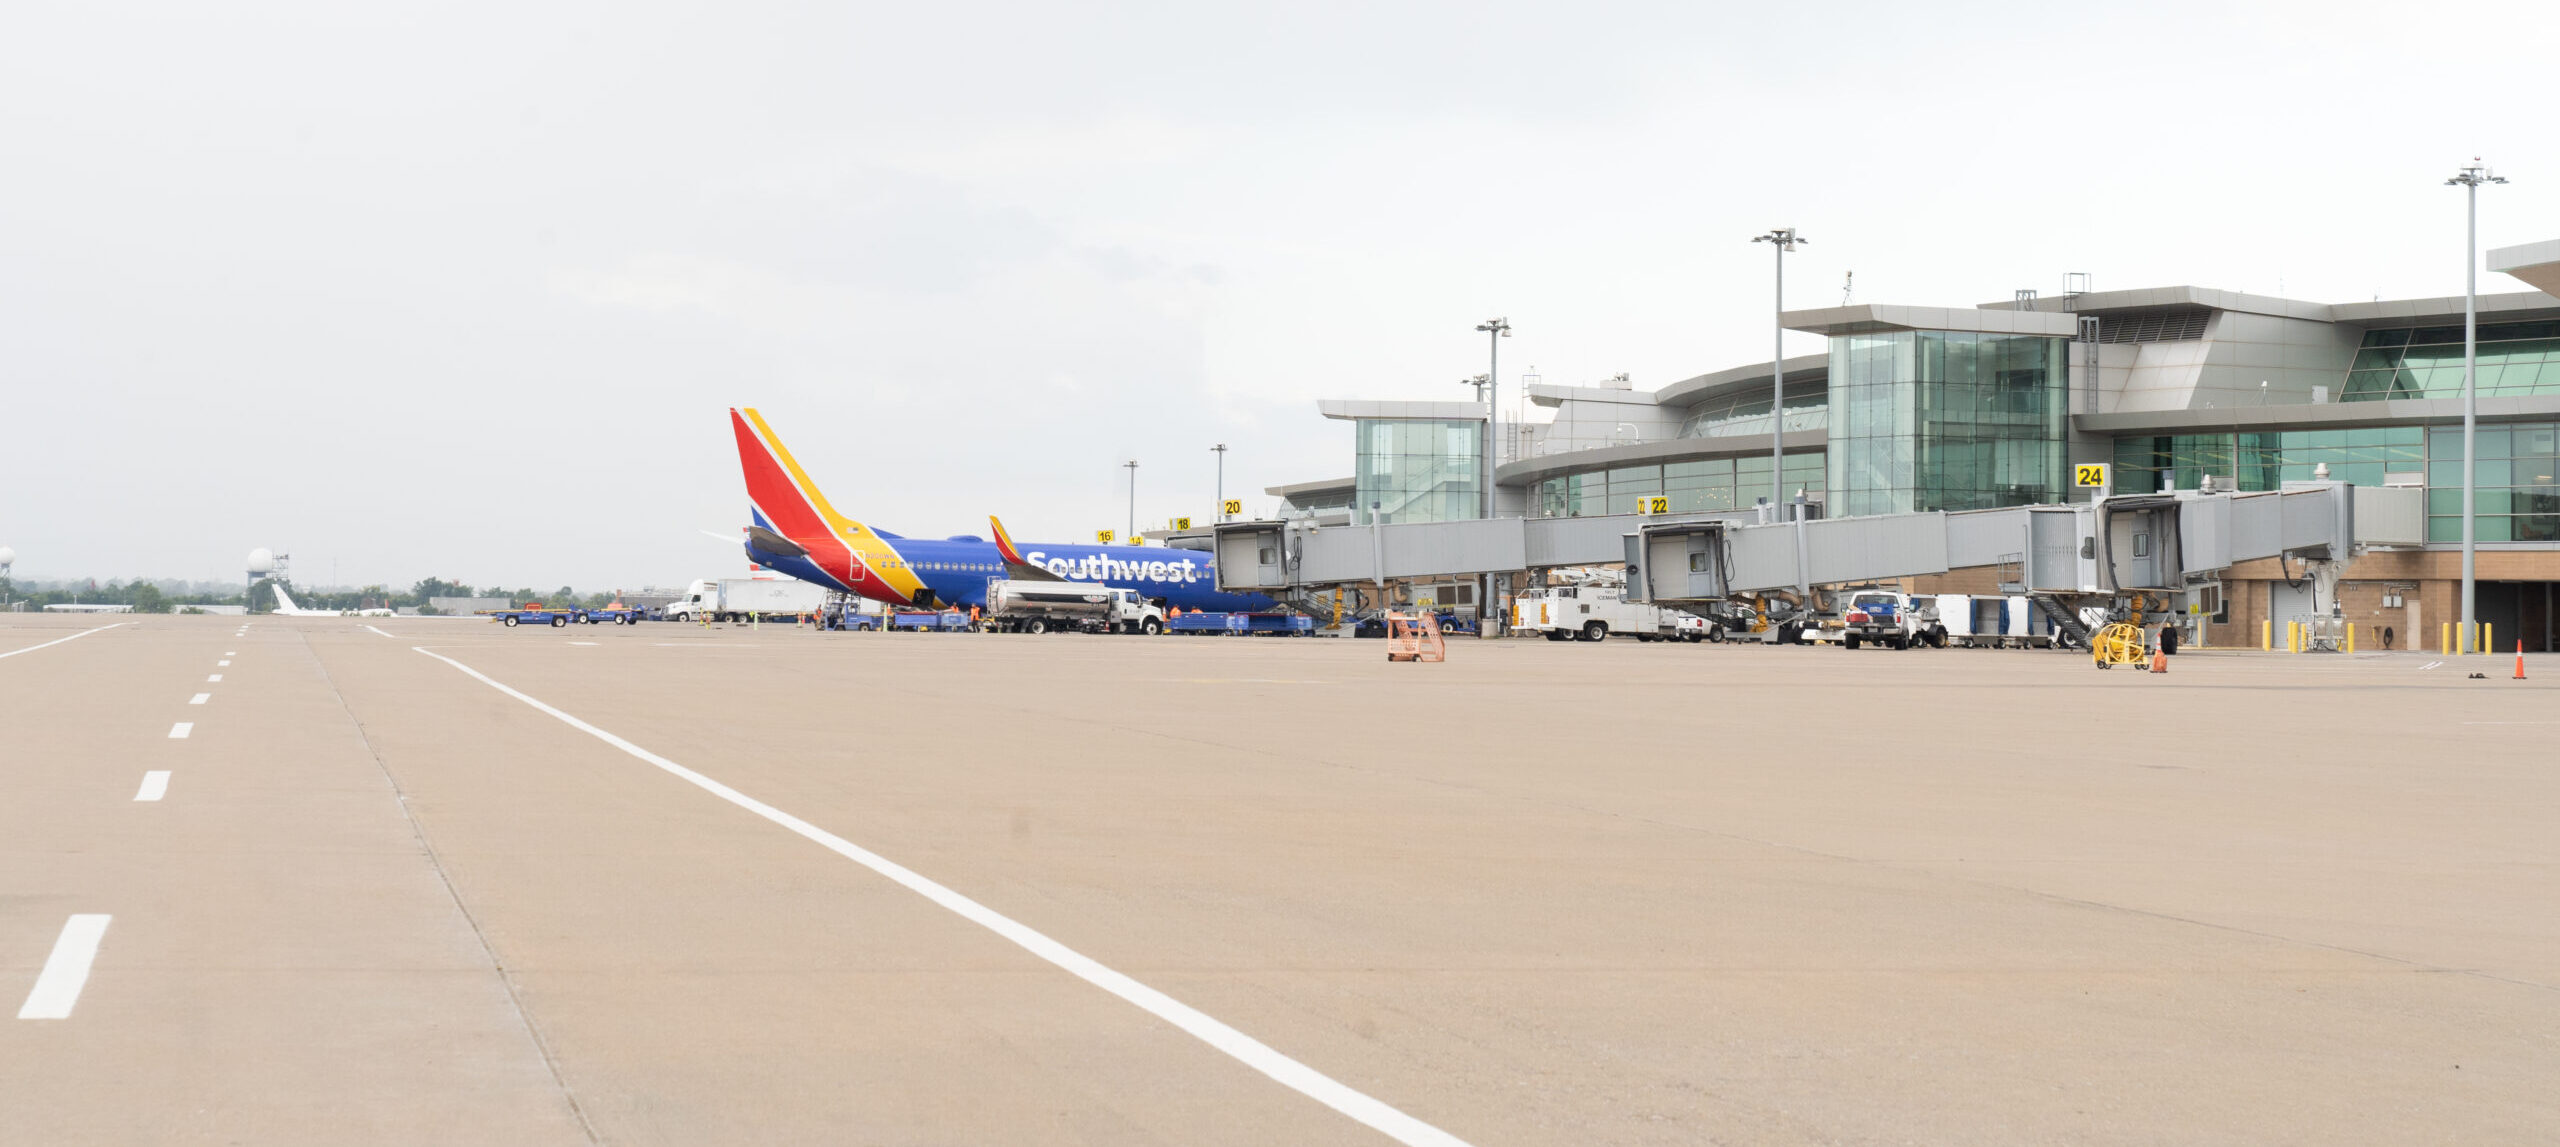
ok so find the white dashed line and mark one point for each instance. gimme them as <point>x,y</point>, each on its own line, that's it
<point>1247,1050</point>
<point>582,643</point>
<point>200,698</point>
<point>60,640</point>
<point>378,631</point>
<point>214,679</point>
<point>155,785</point>
<point>222,665</point>
<point>67,970</point>
<point>179,731</point>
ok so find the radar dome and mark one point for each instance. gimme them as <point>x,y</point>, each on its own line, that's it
<point>8,557</point>
<point>262,561</point>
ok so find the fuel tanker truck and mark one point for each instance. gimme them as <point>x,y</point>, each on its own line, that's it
<point>1069,606</point>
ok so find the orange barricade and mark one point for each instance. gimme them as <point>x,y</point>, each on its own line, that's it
<point>1415,637</point>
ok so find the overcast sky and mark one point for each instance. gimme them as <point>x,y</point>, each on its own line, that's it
<point>465,290</point>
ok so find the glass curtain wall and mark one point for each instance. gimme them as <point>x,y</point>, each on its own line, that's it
<point>1418,470</point>
<point>2369,456</point>
<point>2426,362</point>
<point>1945,420</point>
<point>2517,473</point>
<point>1718,484</point>
<point>1746,412</point>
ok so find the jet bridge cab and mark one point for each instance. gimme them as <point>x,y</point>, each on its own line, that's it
<point>1678,563</point>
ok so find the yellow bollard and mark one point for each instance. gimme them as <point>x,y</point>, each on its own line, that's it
<point>2488,638</point>
<point>2351,637</point>
<point>2267,636</point>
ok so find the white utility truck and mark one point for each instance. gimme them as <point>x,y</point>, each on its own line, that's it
<point>1595,608</point>
<point>1045,606</point>
<point>740,598</point>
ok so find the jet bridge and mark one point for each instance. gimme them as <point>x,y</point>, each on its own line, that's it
<point>2114,546</point>
<point>2111,547</point>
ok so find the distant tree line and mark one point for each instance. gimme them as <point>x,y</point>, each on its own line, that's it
<point>146,597</point>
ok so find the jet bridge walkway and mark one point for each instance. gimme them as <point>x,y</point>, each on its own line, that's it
<point>2115,546</point>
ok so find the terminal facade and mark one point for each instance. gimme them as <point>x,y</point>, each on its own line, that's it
<point>1916,408</point>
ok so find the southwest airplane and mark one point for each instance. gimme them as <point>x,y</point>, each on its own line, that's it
<point>797,533</point>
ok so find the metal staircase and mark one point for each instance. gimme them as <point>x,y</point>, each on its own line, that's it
<point>2064,617</point>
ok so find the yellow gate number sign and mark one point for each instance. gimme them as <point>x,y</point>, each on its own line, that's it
<point>2089,475</point>
<point>1182,523</point>
<point>1653,505</point>
<point>1102,536</point>
<point>1234,506</point>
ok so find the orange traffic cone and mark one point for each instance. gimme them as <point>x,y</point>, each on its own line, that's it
<point>2519,659</point>
<point>2159,660</point>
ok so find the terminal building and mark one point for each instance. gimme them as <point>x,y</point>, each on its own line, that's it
<point>1920,408</point>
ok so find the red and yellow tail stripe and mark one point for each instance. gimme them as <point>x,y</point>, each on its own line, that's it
<point>840,547</point>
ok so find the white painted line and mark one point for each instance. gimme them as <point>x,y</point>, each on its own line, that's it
<point>222,665</point>
<point>378,631</point>
<point>67,970</point>
<point>179,731</point>
<point>213,679</point>
<point>60,640</point>
<point>1245,1049</point>
<point>582,643</point>
<point>200,698</point>
<point>155,785</point>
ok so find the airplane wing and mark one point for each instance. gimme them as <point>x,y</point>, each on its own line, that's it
<point>1014,566</point>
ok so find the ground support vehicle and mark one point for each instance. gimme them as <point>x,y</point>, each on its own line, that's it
<point>1981,621</point>
<point>847,612</point>
<point>743,598</point>
<point>1892,619</point>
<point>612,616</point>
<point>1595,611</point>
<point>1243,624</point>
<point>928,620</point>
<point>1015,606</point>
<point>535,613</point>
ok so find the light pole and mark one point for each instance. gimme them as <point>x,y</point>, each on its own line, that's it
<point>1132,464</point>
<point>1784,239</point>
<point>1495,331</point>
<point>1479,382</point>
<point>1221,451</point>
<point>2470,180</point>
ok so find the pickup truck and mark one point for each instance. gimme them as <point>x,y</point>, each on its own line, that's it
<point>1891,619</point>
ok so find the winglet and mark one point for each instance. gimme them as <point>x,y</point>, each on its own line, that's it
<point>1004,542</point>
<point>1015,565</point>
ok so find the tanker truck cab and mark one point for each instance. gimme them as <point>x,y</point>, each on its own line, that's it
<point>1131,613</point>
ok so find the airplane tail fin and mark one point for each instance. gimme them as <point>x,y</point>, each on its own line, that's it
<point>784,499</point>
<point>284,599</point>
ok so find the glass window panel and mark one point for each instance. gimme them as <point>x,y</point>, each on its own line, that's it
<point>2489,529</point>
<point>2387,338</point>
<point>2536,527</point>
<point>2444,529</point>
<point>2488,471</point>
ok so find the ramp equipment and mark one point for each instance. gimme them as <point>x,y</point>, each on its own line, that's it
<point>1415,637</point>
<point>2118,643</point>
